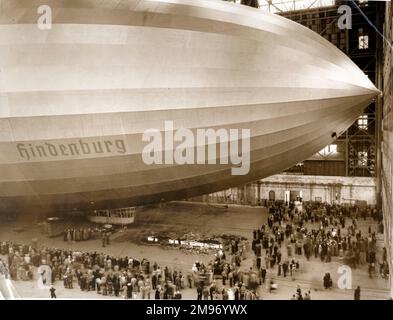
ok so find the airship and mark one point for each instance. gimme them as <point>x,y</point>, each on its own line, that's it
<point>102,103</point>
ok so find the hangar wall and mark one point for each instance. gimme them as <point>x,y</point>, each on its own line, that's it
<point>311,188</point>
<point>387,136</point>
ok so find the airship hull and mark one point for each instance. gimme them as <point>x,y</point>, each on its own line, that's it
<point>77,99</point>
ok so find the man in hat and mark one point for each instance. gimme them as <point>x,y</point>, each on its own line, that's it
<point>52,292</point>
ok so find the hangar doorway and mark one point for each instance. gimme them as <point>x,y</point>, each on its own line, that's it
<point>296,195</point>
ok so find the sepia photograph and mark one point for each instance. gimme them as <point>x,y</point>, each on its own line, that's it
<point>198,150</point>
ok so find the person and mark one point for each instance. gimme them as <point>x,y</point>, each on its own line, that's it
<point>189,279</point>
<point>357,293</point>
<point>157,294</point>
<point>225,295</point>
<point>129,290</point>
<point>103,239</point>
<point>231,294</point>
<point>69,237</point>
<point>52,292</point>
<point>224,277</point>
<point>146,290</point>
<point>206,293</point>
<point>293,271</point>
<point>237,292</point>
<point>285,268</point>
<point>272,285</point>
<point>263,275</point>
<point>212,291</point>
<point>371,269</point>
<point>178,295</point>
<point>116,287</point>
<point>327,281</point>
<point>199,292</point>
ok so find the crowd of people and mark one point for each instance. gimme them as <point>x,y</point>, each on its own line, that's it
<point>317,231</point>
<point>127,277</point>
<point>237,283</point>
<point>132,278</point>
<point>92,271</point>
<point>84,234</point>
<point>78,234</point>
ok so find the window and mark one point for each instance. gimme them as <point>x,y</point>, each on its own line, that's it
<point>362,159</point>
<point>330,149</point>
<point>363,122</point>
<point>363,42</point>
